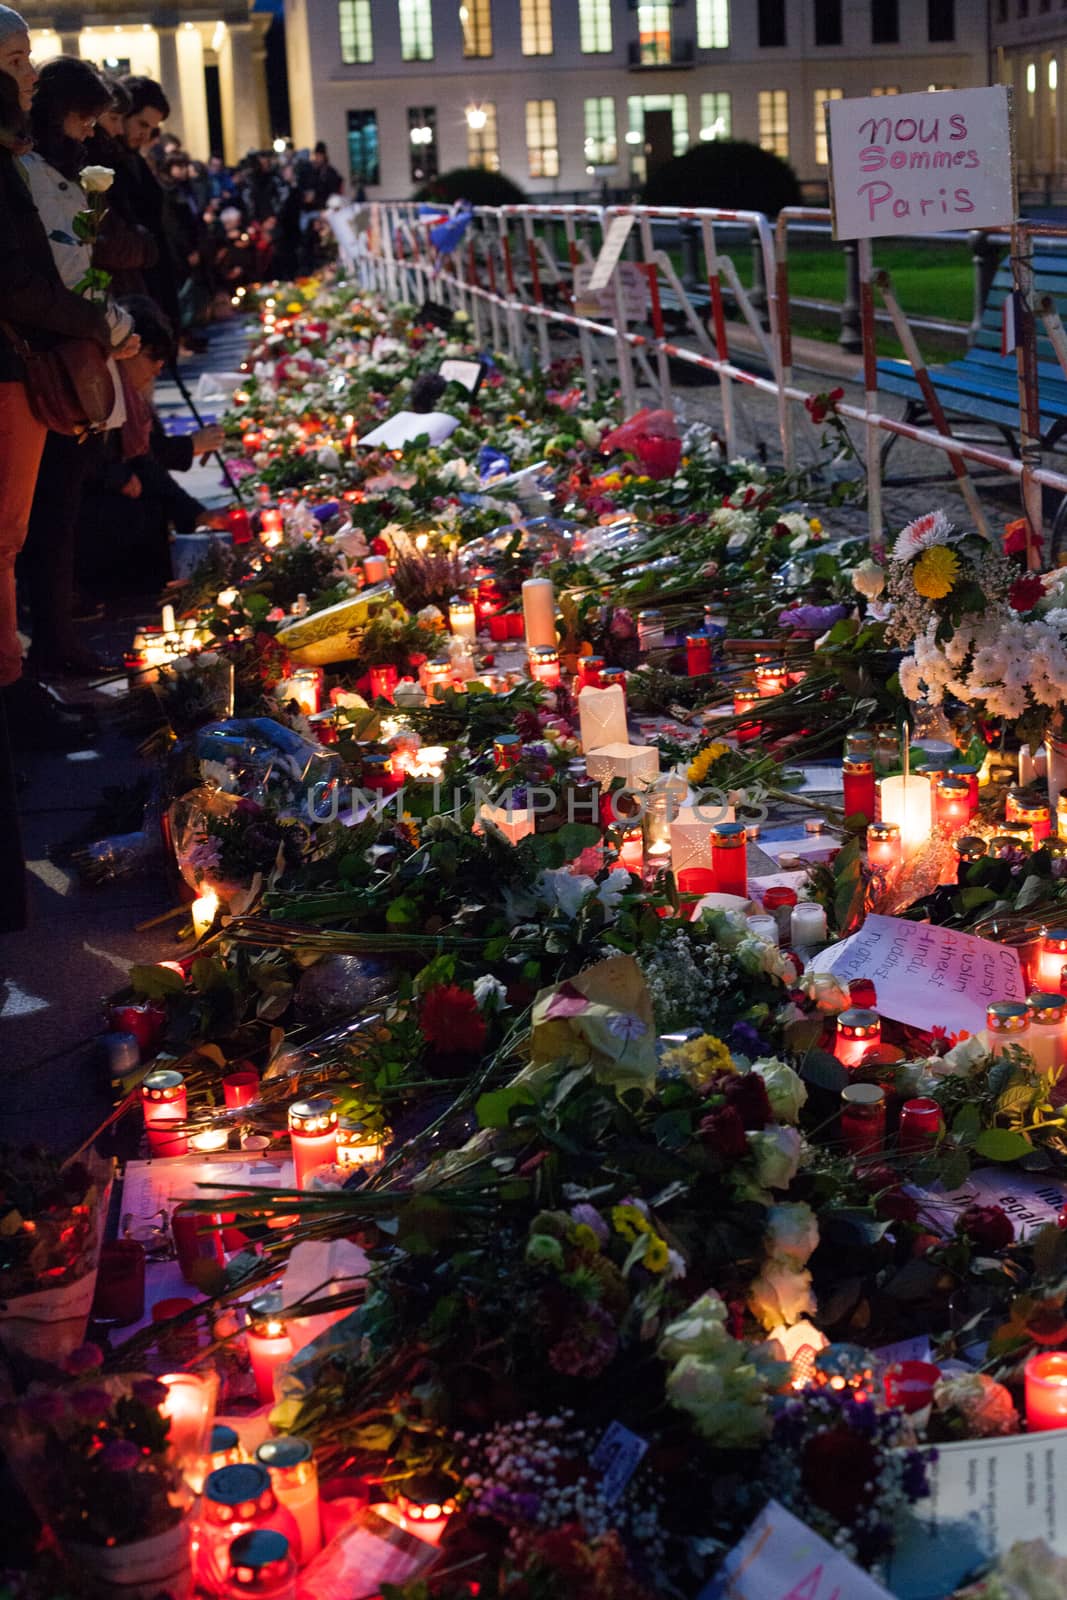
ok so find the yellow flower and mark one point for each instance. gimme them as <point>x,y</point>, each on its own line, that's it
<point>586,1239</point>
<point>814,524</point>
<point>628,1221</point>
<point>702,763</point>
<point>935,572</point>
<point>656,1255</point>
<point>697,1059</point>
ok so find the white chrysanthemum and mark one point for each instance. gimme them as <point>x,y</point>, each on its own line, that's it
<point>933,528</point>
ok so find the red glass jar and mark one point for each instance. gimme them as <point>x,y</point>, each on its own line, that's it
<point>507,749</point>
<point>863,1118</point>
<point>968,847</point>
<point>959,769</point>
<point>697,654</point>
<point>196,1238</point>
<point>236,1500</point>
<point>920,1124</point>
<point>778,903</point>
<point>240,525</point>
<point>952,803</point>
<point>729,858</point>
<point>884,848</point>
<point>1034,814</point>
<point>589,671</point>
<point>859,787</point>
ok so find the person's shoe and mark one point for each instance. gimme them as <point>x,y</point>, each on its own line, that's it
<point>39,720</point>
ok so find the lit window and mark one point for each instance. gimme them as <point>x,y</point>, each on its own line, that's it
<point>601,135</point>
<point>713,24</point>
<point>416,30</point>
<point>542,141</point>
<point>1031,78</point>
<point>363,148</point>
<point>422,142</point>
<point>594,26</point>
<point>1053,73</point>
<point>483,148</point>
<point>774,121</point>
<point>357,40</point>
<point>676,104</point>
<point>476,20</point>
<point>821,97</point>
<point>537,27</point>
<point>716,116</point>
<point>654,33</point>
<point>887,88</point>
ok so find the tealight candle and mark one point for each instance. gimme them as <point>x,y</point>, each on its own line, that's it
<point>1046,1391</point>
<point>858,774</point>
<point>771,680</point>
<point>305,687</point>
<point>261,1562</point>
<point>539,612</point>
<point>883,845</point>
<point>953,804</point>
<point>907,802</point>
<point>807,924</point>
<point>209,1139</point>
<point>426,1517</point>
<point>375,568</point>
<point>1007,1022</point>
<point>858,1030</point>
<point>269,1346</point>
<point>295,1481</point>
<point>462,619</point>
<point>358,1145</point>
<point>1046,1041</point>
<point>271,527</point>
<point>313,1135</point>
<point>729,858</point>
<point>205,909</point>
<point>697,654</point>
<point>164,1103</point>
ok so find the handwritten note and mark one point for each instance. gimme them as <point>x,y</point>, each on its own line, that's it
<point>780,1558</point>
<point>925,974</point>
<point>985,1496</point>
<point>406,426</point>
<point>919,163</point>
<point>614,239</point>
<point>630,282</point>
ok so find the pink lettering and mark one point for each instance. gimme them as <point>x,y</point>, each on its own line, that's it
<point>877,195</point>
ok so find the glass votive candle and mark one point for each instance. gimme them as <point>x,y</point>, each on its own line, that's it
<point>960,769</point>
<point>858,1030</point>
<point>239,524</point>
<point>858,774</point>
<point>807,924</point>
<point>920,1124</point>
<point>745,700</point>
<point>650,630</point>
<point>313,1135</point>
<point>189,1407</point>
<point>295,1481</point>
<point>968,847</point>
<point>462,619</point>
<point>197,1237</point>
<point>1046,1391</point>
<point>438,676</point>
<point>164,1103</point>
<point>119,1294</point>
<point>697,654</point>
<point>375,568</point>
<point>883,845</point>
<point>859,745</point>
<point>499,627</point>
<point>1045,1042</point>
<point>261,1563</point>
<point>1007,1022</point>
<point>770,680</point>
<point>1061,814</point>
<point>269,1346</point>
<point>763,927</point>
<point>1033,813</point>
<point>1052,959</point>
<point>863,1118</point>
<point>589,671</point>
<point>729,858</point>
<point>358,1145</point>
<point>953,808</point>
<point>236,1500</point>
<point>779,902</point>
<point>507,748</point>
<point>377,771</point>
<point>383,682</point>
<point>1016,792</point>
<point>544,665</point>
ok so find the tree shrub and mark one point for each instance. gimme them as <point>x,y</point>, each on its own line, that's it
<point>728,173</point>
<point>475,184</point>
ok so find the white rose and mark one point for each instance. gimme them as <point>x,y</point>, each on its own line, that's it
<point>776,1153</point>
<point>781,1294</point>
<point>868,579</point>
<point>964,1058</point>
<point>699,1331</point>
<point>785,1088</point>
<point>826,989</point>
<point>792,1233</point>
<point>96,180</point>
<point>490,993</point>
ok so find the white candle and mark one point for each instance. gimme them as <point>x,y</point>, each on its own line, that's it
<point>295,1482</point>
<point>539,611</point>
<point>167,619</point>
<point>764,928</point>
<point>807,925</point>
<point>462,621</point>
<point>205,909</point>
<point>189,1408</point>
<point>1027,767</point>
<point>907,802</point>
<point>602,717</point>
<point>210,1139</point>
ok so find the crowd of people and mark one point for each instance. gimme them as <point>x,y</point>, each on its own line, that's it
<point>116,248</point>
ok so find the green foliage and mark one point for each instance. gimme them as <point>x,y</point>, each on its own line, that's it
<point>473,184</point>
<point>730,173</point>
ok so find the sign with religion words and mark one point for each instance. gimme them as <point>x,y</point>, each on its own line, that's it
<point>781,1558</point>
<point>921,163</point>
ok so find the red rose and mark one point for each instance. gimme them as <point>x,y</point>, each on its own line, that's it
<point>746,1093</point>
<point>837,1471</point>
<point>724,1133</point>
<point>1025,593</point>
<point>450,1019</point>
<point>862,993</point>
<point>988,1227</point>
<point>896,1206</point>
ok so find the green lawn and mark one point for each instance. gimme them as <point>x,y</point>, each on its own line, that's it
<point>934,280</point>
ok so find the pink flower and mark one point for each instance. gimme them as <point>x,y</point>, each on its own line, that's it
<point>84,1359</point>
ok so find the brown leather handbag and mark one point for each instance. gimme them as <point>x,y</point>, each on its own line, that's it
<point>69,387</point>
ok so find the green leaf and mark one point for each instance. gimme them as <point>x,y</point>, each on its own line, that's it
<point>423,1225</point>
<point>402,912</point>
<point>1050,1251</point>
<point>1002,1144</point>
<point>824,1071</point>
<point>494,1109</point>
<point>207,973</point>
<point>971,898</point>
<point>966,1124</point>
<point>155,983</point>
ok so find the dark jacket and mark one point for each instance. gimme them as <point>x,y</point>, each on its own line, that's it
<point>32,295</point>
<point>123,247</point>
<point>138,199</point>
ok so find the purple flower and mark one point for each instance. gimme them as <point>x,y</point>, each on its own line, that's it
<point>811,619</point>
<point>119,1455</point>
<point>149,1391</point>
<point>590,1216</point>
<point>84,1359</point>
<point>90,1404</point>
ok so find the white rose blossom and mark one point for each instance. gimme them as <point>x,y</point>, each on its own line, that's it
<point>96,180</point>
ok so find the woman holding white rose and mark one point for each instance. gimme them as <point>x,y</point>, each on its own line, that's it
<point>69,196</point>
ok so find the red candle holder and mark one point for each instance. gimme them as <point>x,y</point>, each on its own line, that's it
<point>858,1030</point>
<point>313,1135</point>
<point>516,625</point>
<point>1035,815</point>
<point>240,525</point>
<point>383,682</point>
<point>196,1238</point>
<point>970,775</point>
<point>507,751</point>
<point>697,654</point>
<point>953,803</point>
<point>240,1088</point>
<point>884,848</point>
<point>590,669</point>
<point>920,1124</point>
<point>499,627</point>
<point>145,1022</point>
<point>860,792</point>
<point>863,1118</point>
<point>729,858</point>
<point>164,1103</point>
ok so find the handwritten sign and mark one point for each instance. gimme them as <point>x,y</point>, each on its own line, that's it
<point>985,1496</point>
<point>920,163</point>
<point>631,285</point>
<point>1033,1200</point>
<point>780,1558</point>
<point>925,974</point>
<point>610,251</point>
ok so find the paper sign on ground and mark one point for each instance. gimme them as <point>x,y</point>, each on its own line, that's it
<point>923,973</point>
<point>986,1495</point>
<point>1032,1200</point>
<point>780,1558</point>
<point>920,163</point>
<point>610,251</point>
<point>630,283</point>
<point>407,426</point>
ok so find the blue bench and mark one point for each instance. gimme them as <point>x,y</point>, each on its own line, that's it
<point>983,387</point>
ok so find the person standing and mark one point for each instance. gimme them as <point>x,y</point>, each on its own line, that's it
<point>136,190</point>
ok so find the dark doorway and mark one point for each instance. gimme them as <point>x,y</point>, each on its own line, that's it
<point>214,110</point>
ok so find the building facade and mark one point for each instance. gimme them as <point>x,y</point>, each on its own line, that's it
<point>566,95</point>
<point>1029,41</point>
<point>208,57</point>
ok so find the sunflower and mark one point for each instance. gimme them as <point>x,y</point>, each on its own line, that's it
<point>656,1257</point>
<point>702,763</point>
<point>935,572</point>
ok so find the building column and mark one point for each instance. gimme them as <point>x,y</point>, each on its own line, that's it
<point>169,77</point>
<point>70,43</point>
<point>237,89</point>
<point>260,27</point>
<point>194,124</point>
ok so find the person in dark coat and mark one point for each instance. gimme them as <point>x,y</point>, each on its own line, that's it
<point>136,191</point>
<point>124,248</point>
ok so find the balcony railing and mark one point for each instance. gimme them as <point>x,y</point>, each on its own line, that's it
<point>650,55</point>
